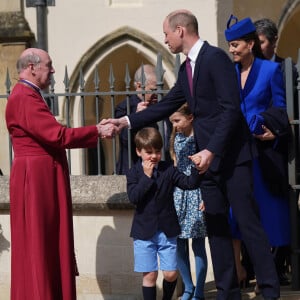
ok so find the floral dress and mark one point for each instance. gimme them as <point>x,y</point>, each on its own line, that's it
<point>190,217</point>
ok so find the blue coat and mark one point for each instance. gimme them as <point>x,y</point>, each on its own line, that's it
<point>264,88</point>
<point>264,94</point>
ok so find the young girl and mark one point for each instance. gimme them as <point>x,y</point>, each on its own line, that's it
<point>189,207</point>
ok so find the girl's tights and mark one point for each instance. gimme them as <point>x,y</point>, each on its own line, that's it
<point>184,267</point>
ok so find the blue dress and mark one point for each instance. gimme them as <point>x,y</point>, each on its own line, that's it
<point>265,88</point>
<point>191,219</point>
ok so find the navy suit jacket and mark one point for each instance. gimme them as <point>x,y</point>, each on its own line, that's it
<point>153,199</point>
<point>219,125</point>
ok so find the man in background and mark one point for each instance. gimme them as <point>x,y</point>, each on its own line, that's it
<point>268,36</point>
<point>144,80</point>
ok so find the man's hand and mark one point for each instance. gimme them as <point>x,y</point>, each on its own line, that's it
<point>202,160</point>
<point>142,105</point>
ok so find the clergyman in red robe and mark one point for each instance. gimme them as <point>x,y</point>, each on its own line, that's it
<point>43,265</point>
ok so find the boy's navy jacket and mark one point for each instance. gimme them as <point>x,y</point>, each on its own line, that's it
<point>153,199</point>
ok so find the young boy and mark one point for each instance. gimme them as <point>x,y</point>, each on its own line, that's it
<point>150,187</point>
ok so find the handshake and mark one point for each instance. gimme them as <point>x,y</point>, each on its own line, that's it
<point>108,128</point>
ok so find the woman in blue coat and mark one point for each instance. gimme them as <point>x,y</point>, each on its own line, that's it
<point>263,105</point>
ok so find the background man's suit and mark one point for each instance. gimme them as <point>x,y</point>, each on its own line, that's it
<point>220,128</point>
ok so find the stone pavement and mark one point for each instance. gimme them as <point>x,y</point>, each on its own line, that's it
<point>248,293</point>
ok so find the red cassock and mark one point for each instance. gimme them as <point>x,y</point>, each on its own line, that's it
<point>43,265</point>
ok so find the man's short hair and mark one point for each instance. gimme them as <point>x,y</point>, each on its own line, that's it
<point>268,28</point>
<point>183,18</point>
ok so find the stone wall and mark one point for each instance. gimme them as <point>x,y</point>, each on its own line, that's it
<point>102,218</point>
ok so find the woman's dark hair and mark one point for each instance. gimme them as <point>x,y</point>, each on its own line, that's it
<point>256,50</point>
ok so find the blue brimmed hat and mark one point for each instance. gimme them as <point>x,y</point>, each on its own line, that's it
<point>239,28</point>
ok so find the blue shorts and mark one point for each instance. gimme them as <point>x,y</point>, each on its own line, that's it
<point>146,253</point>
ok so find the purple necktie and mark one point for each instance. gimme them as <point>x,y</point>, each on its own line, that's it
<point>189,73</point>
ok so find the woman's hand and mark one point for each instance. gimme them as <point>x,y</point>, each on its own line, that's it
<point>266,136</point>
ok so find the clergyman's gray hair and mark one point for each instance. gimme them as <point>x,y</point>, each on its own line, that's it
<point>30,58</point>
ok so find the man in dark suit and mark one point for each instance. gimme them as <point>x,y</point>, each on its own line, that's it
<point>225,152</point>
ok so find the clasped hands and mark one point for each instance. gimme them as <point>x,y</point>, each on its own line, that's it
<point>202,160</point>
<point>108,128</point>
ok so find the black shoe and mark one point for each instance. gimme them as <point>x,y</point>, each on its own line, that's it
<point>283,279</point>
<point>270,298</point>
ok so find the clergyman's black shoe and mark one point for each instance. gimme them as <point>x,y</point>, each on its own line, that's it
<point>270,298</point>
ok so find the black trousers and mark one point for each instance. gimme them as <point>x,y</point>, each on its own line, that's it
<point>235,188</point>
